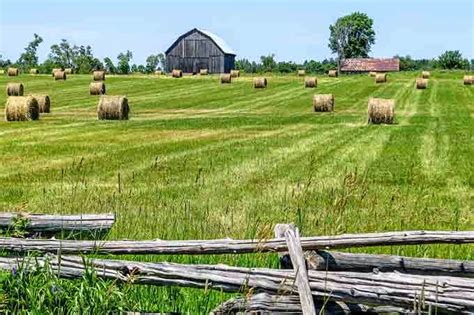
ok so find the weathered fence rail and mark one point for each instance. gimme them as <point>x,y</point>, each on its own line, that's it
<point>374,288</point>
<point>50,223</point>
<point>227,246</point>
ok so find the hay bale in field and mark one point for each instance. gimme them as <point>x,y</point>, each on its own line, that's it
<point>301,73</point>
<point>113,108</point>
<point>235,73</point>
<point>34,71</point>
<point>97,88</point>
<point>44,103</point>
<point>203,72</point>
<point>332,73</point>
<point>468,80</point>
<point>21,108</point>
<point>421,83</point>
<point>380,78</point>
<point>176,73</point>
<point>372,74</point>
<point>60,75</point>
<point>54,70</point>
<point>13,72</point>
<point>260,83</point>
<point>15,89</point>
<point>323,102</point>
<point>226,78</point>
<point>310,82</point>
<point>68,70</point>
<point>158,72</point>
<point>381,111</point>
<point>425,74</point>
<point>98,75</point>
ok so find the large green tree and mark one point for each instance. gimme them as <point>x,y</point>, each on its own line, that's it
<point>352,36</point>
<point>152,63</point>
<point>452,59</point>
<point>123,66</point>
<point>109,66</point>
<point>29,58</point>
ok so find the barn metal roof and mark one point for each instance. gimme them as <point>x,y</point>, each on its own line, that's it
<point>370,64</point>
<point>226,49</point>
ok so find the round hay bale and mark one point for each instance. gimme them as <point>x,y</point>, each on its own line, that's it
<point>332,73</point>
<point>54,70</point>
<point>226,78</point>
<point>310,82</point>
<point>372,74</point>
<point>113,108</point>
<point>98,75</point>
<point>15,89</point>
<point>301,73</point>
<point>44,103</point>
<point>323,102</point>
<point>158,72</point>
<point>380,78</point>
<point>176,73</point>
<point>203,72</point>
<point>68,70</point>
<point>34,71</point>
<point>13,72</point>
<point>260,83</point>
<point>421,83</point>
<point>425,74</point>
<point>235,73</point>
<point>381,111</point>
<point>60,75</point>
<point>97,88</point>
<point>468,80</point>
<point>21,108</point>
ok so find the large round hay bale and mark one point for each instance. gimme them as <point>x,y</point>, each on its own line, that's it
<point>203,72</point>
<point>381,111</point>
<point>176,73</point>
<point>468,80</point>
<point>98,75</point>
<point>310,82</point>
<point>260,83</point>
<point>68,70</point>
<point>21,108</point>
<point>60,75</point>
<point>425,74</point>
<point>54,70</point>
<point>13,72</point>
<point>421,83</point>
<point>235,73</point>
<point>226,78</point>
<point>158,72</point>
<point>44,103</point>
<point>372,74</point>
<point>323,102</point>
<point>380,78</point>
<point>15,89</point>
<point>332,73</point>
<point>97,88</point>
<point>34,71</point>
<point>301,73</point>
<point>113,108</point>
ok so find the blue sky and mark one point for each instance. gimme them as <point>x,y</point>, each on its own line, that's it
<point>292,29</point>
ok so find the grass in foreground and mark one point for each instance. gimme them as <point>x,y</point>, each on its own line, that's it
<point>202,160</point>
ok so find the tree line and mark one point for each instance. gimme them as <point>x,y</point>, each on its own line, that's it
<point>351,36</point>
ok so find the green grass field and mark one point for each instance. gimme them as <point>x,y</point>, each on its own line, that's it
<point>201,160</point>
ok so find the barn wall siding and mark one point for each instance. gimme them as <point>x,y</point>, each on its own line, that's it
<point>195,52</point>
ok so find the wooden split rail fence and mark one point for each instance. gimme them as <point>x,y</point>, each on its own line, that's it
<point>315,279</point>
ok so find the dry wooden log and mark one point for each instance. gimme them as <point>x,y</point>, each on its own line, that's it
<point>292,238</point>
<point>377,288</point>
<point>229,246</point>
<point>48,223</point>
<point>264,303</point>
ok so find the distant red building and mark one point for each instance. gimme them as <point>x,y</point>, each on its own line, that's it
<point>370,64</point>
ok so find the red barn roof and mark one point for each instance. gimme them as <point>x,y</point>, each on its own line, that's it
<point>370,64</point>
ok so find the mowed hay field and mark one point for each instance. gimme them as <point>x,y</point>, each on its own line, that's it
<point>201,160</point>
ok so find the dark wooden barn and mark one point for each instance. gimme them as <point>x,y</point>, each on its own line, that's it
<point>199,49</point>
